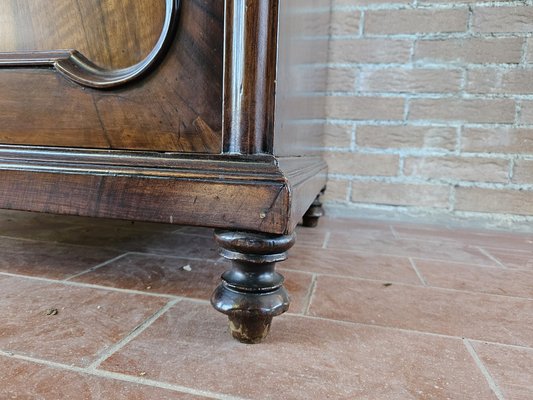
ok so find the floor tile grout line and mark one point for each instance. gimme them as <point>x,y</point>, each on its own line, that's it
<point>487,254</point>
<point>418,286</point>
<point>327,236</point>
<point>406,330</point>
<point>100,247</point>
<point>94,268</point>
<point>418,273</point>
<point>310,294</point>
<point>170,296</point>
<point>522,252</point>
<point>484,371</point>
<point>149,254</point>
<point>444,240</point>
<point>120,377</point>
<point>92,286</point>
<point>513,346</point>
<point>132,335</point>
<point>105,288</point>
<point>449,240</point>
<point>369,253</point>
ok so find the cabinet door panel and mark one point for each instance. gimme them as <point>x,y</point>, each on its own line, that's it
<point>175,106</point>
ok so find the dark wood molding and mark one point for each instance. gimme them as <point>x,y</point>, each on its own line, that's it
<point>249,76</point>
<point>234,192</point>
<point>81,70</point>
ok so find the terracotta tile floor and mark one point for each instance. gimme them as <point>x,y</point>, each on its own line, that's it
<point>99,309</point>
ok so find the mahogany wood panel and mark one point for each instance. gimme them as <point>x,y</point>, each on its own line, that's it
<point>176,108</point>
<point>112,34</point>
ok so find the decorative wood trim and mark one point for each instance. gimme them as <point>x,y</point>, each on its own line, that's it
<point>79,69</point>
<point>253,193</point>
<point>250,76</point>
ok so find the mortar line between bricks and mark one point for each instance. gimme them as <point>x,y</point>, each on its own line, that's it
<point>112,260</point>
<point>525,50</point>
<point>429,181</point>
<point>436,95</point>
<point>451,65</point>
<point>470,19</point>
<point>484,371</point>
<point>395,6</point>
<point>418,273</point>
<point>106,353</point>
<point>452,199</point>
<point>120,377</point>
<point>362,22</point>
<point>429,152</point>
<point>512,162</point>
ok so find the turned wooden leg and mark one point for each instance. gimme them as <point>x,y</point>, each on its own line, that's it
<point>311,217</point>
<point>251,292</point>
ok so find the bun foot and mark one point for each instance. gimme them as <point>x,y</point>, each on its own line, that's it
<point>311,217</point>
<point>251,292</point>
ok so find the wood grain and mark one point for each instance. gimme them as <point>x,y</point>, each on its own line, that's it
<point>250,76</point>
<point>112,34</point>
<point>176,108</point>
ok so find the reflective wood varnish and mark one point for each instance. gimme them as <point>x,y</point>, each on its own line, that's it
<point>178,107</point>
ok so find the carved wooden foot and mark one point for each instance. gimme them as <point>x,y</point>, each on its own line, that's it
<point>252,292</point>
<point>311,217</point>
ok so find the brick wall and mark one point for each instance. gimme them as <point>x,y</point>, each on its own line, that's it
<point>430,106</point>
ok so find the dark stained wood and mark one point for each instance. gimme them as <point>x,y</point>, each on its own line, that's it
<point>78,68</point>
<point>250,76</point>
<point>252,292</point>
<point>112,34</point>
<point>178,107</point>
<point>135,151</point>
<point>209,191</point>
<point>313,214</point>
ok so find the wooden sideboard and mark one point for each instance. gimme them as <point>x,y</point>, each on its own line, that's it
<point>199,112</point>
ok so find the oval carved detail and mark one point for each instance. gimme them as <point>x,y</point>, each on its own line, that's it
<point>90,23</point>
